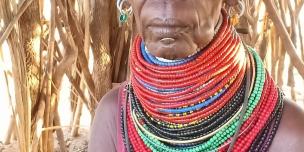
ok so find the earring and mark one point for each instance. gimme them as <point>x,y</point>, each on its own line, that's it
<point>236,12</point>
<point>124,12</point>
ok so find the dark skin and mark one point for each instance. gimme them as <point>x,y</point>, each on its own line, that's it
<point>174,29</point>
<point>190,23</point>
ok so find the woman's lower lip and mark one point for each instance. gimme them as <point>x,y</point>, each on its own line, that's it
<point>167,40</point>
<point>167,32</point>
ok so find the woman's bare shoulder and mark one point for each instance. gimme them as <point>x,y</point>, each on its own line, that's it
<point>108,105</point>
<point>290,135</point>
<point>108,102</point>
<point>103,132</point>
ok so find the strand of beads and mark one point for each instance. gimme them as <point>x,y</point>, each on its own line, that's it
<point>150,108</point>
<point>194,104</point>
<point>263,117</point>
<point>161,145</point>
<point>195,130</point>
<point>269,101</point>
<point>259,73</point>
<point>262,143</point>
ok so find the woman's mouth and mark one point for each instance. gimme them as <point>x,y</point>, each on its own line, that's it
<point>167,34</point>
<point>168,30</point>
<point>167,40</point>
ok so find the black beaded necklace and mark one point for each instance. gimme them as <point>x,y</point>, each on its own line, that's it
<point>196,130</point>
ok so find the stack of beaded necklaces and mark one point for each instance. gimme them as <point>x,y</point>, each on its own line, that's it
<point>194,104</point>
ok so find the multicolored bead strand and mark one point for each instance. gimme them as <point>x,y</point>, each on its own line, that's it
<point>194,104</point>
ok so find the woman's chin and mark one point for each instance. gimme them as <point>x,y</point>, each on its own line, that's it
<point>172,51</point>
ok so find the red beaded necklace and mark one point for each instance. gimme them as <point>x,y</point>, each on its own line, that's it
<point>256,122</point>
<point>220,68</point>
<point>215,68</point>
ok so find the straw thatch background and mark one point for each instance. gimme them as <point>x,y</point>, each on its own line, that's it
<point>59,57</point>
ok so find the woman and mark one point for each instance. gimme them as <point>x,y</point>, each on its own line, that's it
<point>194,86</point>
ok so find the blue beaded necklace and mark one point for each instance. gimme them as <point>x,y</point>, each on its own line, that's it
<point>161,62</point>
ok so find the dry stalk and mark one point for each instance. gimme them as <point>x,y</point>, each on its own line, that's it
<point>274,53</point>
<point>76,119</point>
<point>82,60</point>
<point>301,40</point>
<point>70,55</point>
<point>25,4</point>
<point>72,81</point>
<point>119,50</point>
<point>10,131</point>
<point>281,64</point>
<point>80,93</point>
<point>79,104</point>
<point>293,35</point>
<point>20,104</point>
<point>39,125</point>
<point>11,127</point>
<point>87,37</point>
<point>47,114</point>
<point>298,9</point>
<point>19,134</point>
<point>59,132</point>
<point>68,59</point>
<point>291,50</point>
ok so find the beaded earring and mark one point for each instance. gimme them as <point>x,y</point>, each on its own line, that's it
<point>124,12</point>
<point>236,12</point>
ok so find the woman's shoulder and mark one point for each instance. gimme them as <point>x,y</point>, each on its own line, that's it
<point>290,135</point>
<point>109,100</point>
<point>105,122</point>
<point>108,105</point>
